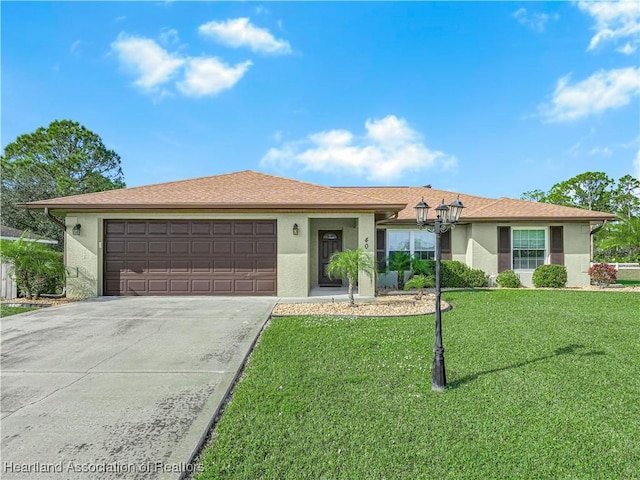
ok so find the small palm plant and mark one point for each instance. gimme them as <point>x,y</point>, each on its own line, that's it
<point>33,264</point>
<point>399,262</point>
<point>347,264</point>
<point>420,282</point>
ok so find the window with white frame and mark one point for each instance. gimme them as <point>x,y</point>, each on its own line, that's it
<point>413,242</point>
<point>528,248</point>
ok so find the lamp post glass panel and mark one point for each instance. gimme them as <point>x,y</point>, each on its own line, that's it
<point>446,218</point>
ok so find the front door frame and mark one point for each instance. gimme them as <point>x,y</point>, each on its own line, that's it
<point>323,280</point>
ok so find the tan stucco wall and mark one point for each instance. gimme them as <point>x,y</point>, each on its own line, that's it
<point>482,250</point>
<point>297,254</point>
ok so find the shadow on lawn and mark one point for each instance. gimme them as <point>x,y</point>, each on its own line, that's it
<point>568,350</point>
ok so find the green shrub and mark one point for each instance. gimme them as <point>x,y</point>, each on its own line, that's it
<point>508,279</point>
<point>36,266</point>
<point>453,274</point>
<point>477,278</point>
<point>551,276</point>
<point>602,274</point>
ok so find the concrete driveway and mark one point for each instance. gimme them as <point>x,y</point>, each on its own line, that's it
<point>118,387</point>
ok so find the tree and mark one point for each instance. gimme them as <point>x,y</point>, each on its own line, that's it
<point>62,159</point>
<point>347,264</point>
<point>620,241</point>
<point>627,197</point>
<point>589,190</point>
<point>34,264</point>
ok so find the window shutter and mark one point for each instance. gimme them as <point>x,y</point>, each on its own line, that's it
<point>557,246</point>
<point>504,249</point>
<point>445,245</point>
<point>381,248</point>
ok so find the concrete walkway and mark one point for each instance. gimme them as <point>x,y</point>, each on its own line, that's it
<point>118,387</point>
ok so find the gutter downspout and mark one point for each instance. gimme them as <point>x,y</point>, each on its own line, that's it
<point>54,219</point>
<point>64,229</point>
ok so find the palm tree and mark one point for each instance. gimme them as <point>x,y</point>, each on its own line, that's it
<point>621,239</point>
<point>399,262</point>
<point>347,264</point>
<point>420,282</point>
<point>33,264</point>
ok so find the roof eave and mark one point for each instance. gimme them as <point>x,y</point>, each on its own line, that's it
<point>74,207</point>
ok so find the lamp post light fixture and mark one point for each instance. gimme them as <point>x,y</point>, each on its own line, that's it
<point>76,229</point>
<point>446,218</point>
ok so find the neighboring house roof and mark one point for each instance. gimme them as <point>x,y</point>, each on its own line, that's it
<point>478,208</point>
<point>9,233</point>
<point>246,190</point>
<point>251,191</point>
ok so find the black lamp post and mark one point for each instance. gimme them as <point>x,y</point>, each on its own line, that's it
<point>446,218</point>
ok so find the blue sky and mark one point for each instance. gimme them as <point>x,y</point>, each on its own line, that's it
<point>491,99</point>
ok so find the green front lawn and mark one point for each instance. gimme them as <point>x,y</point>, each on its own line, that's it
<point>542,384</point>
<point>5,310</point>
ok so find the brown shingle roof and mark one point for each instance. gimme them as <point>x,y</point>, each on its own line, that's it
<point>241,190</point>
<point>477,208</point>
<point>248,190</point>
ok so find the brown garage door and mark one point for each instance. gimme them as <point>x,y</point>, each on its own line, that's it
<point>189,257</point>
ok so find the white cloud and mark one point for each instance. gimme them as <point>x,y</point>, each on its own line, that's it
<point>209,76</point>
<point>535,21</point>
<point>601,151</point>
<point>151,63</point>
<point>240,32</point>
<point>604,90</point>
<point>627,49</point>
<point>168,36</point>
<point>614,21</point>
<point>388,149</point>
<point>76,48</point>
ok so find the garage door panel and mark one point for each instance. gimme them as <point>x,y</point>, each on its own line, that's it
<point>199,248</point>
<point>266,286</point>
<point>136,228</point>
<point>200,266</point>
<point>179,247</point>
<point>266,248</point>
<point>223,286</point>
<point>265,228</point>
<point>179,228</point>
<point>136,247</point>
<point>136,286</point>
<point>244,266</point>
<point>201,286</point>
<point>158,266</point>
<point>222,228</point>
<point>241,228</point>
<point>158,228</point>
<point>181,257</point>
<point>180,266</point>
<point>179,286</point>
<point>223,247</point>
<point>243,286</point>
<point>158,247</point>
<point>266,266</point>
<point>115,227</point>
<point>222,266</point>
<point>137,266</point>
<point>201,228</point>
<point>158,286</point>
<point>243,248</point>
<point>115,247</point>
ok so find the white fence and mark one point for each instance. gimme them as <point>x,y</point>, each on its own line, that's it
<point>622,266</point>
<point>7,283</point>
